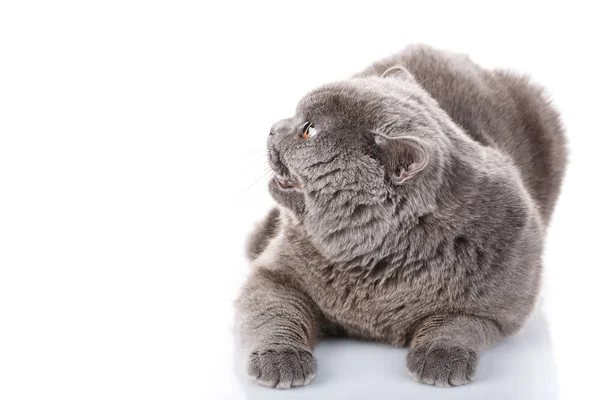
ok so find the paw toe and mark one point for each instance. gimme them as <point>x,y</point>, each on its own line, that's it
<point>281,367</point>
<point>442,365</point>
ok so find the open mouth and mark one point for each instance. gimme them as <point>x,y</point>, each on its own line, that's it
<point>282,178</point>
<point>286,183</point>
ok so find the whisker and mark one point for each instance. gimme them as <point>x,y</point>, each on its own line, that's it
<point>262,152</point>
<point>262,176</point>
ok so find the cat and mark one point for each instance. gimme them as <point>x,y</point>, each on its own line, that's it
<point>413,199</point>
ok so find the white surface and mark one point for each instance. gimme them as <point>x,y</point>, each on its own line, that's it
<point>522,368</point>
<point>132,137</point>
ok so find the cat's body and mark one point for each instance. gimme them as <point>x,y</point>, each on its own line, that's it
<point>440,252</point>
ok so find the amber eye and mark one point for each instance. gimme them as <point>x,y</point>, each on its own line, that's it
<point>308,130</point>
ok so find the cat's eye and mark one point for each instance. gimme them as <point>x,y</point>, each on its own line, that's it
<point>308,130</point>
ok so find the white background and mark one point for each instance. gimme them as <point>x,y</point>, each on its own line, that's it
<point>132,165</point>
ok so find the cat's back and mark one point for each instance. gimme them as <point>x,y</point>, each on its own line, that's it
<point>497,109</point>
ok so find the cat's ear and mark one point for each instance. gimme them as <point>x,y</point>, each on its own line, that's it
<point>398,72</point>
<point>404,157</point>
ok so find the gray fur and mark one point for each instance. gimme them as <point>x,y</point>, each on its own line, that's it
<point>423,204</point>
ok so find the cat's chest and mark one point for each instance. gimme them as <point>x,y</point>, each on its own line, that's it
<point>363,306</point>
<point>367,306</point>
<point>382,303</point>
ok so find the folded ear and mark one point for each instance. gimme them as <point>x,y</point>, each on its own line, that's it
<point>398,72</point>
<point>404,157</point>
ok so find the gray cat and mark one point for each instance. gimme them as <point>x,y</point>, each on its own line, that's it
<point>413,200</point>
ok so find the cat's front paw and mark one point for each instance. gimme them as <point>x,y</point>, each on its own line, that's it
<point>281,366</point>
<point>442,365</point>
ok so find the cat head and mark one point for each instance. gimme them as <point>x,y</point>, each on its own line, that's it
<point>356,157</point>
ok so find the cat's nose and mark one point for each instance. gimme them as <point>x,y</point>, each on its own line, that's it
<point>278,127</point>
<point>274,129</point>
